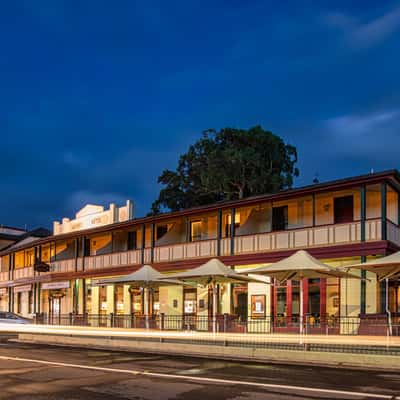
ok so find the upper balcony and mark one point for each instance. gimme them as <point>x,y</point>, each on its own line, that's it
<point>322,220</point>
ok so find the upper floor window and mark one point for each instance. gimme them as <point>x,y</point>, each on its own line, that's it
<point>132,240</point>
<point>195,230</point>
<point>279,218</point>
<point>343,208</point>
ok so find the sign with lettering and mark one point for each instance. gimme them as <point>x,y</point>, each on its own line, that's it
<point>55,285</point>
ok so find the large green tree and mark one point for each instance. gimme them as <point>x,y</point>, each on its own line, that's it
<point>227,165</point>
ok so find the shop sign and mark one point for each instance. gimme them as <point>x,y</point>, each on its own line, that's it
<point>3,291</point>
<point>25,288</point>
<point>55,285</point>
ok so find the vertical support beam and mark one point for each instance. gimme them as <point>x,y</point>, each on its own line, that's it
<point>233,212</point>
<point>76,253</point>
<point>143,242</point>
<point>363,302</point>
<point>289,301</point>
<point>363,217</point>
<point>75,309</point>
<point>305,297</point>
<point>384,210</point>
<point>153,241</point>
<point>322,297</point>
<point>383,297</point>
<point>38,297</point>
<point>84,295</point>
<point>83,250</point>
<point>313,210</point>
<point>219,232</point>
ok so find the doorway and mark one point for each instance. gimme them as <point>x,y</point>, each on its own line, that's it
<point>55,310</point>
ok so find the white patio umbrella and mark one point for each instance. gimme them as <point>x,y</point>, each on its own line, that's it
<point>385,268</point>
<point>212,273</point>
<point>298,266</point>
<point>146,278</point>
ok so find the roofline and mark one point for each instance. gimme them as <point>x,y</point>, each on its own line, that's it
<point>391,176</point>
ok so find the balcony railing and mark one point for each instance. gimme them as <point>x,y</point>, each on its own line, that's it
<point>21,273</point>
<point>393,233</point>
<point>4,276</point>
<point>293,239</point>
<point>184,251</point>
<point>131,257</point>
<point>300,238</point>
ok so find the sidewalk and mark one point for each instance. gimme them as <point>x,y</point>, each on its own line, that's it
<point>205,336</point>
<point>367,352</point>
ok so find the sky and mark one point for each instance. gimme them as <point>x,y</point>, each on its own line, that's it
<point>97,98</point>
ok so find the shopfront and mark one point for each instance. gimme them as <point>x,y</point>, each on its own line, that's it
<point>320,302</point>
<point>23,300</point>
<point>57,300</point>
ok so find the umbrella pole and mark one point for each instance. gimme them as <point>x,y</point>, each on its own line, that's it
<point>214,307</point>
<point>146,306</point>
<point>301,306</point>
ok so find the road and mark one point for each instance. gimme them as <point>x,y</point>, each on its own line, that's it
<point>32,372</point>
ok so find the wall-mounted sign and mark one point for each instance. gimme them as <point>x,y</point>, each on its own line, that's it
<point>55,285</point>
<point>258,306</point>
<point>24,288</point>
<point>41,267</point>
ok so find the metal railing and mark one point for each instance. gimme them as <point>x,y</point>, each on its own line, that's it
<point>317,325</point>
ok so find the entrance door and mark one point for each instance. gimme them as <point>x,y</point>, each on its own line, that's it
<point>55,310</point>
<point>279,218</point>
<point>343,209</point>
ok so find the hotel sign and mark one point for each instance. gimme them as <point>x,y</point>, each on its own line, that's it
<point>55,285</point>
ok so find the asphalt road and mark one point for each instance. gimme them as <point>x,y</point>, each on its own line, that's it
<point>43,372</point>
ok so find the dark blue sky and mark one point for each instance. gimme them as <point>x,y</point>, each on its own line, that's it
<point>98,97</point>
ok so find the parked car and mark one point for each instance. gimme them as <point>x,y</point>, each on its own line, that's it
<point>11,318</point>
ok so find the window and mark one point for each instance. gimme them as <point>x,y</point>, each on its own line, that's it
<point>195,231</point>
<point>228,223</point>
<point>132,240</point>
<point>279,218</point>
<point>161,230</point>
<point>343,209</point>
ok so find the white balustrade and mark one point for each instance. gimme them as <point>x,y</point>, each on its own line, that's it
<point>21,273</point>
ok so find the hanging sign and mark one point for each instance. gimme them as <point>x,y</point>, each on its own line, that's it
<point>55,285</point>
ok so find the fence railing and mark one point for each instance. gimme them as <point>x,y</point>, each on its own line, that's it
<point>226,323</point>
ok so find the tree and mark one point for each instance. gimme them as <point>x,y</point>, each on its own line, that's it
<point>227,165</point>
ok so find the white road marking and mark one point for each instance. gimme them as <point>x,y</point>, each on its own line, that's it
<point>204,379</point>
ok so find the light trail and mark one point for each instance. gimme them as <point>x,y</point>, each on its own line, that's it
<point>269,386</point>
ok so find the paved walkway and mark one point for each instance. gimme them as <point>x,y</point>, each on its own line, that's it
<point>253,338</point>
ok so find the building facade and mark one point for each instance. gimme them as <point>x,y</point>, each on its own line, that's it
<point>341,223</point>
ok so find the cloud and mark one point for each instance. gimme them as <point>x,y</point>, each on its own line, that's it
<point>80,198</point>
<point>366,34</point>
<point>374,135</point>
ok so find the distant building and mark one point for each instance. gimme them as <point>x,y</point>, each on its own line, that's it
<point>92,216</point>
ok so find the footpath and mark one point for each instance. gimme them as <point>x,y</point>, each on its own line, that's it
<point>366,352</point>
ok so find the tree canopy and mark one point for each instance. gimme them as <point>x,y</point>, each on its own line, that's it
<point>227,165</point>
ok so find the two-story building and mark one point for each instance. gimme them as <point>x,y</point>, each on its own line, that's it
<point>339,222</point>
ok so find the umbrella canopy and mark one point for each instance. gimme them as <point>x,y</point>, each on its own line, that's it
<point>385,267</point>
<point>301,265</point>
<point>212,272</point>
<point>145,277</point>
